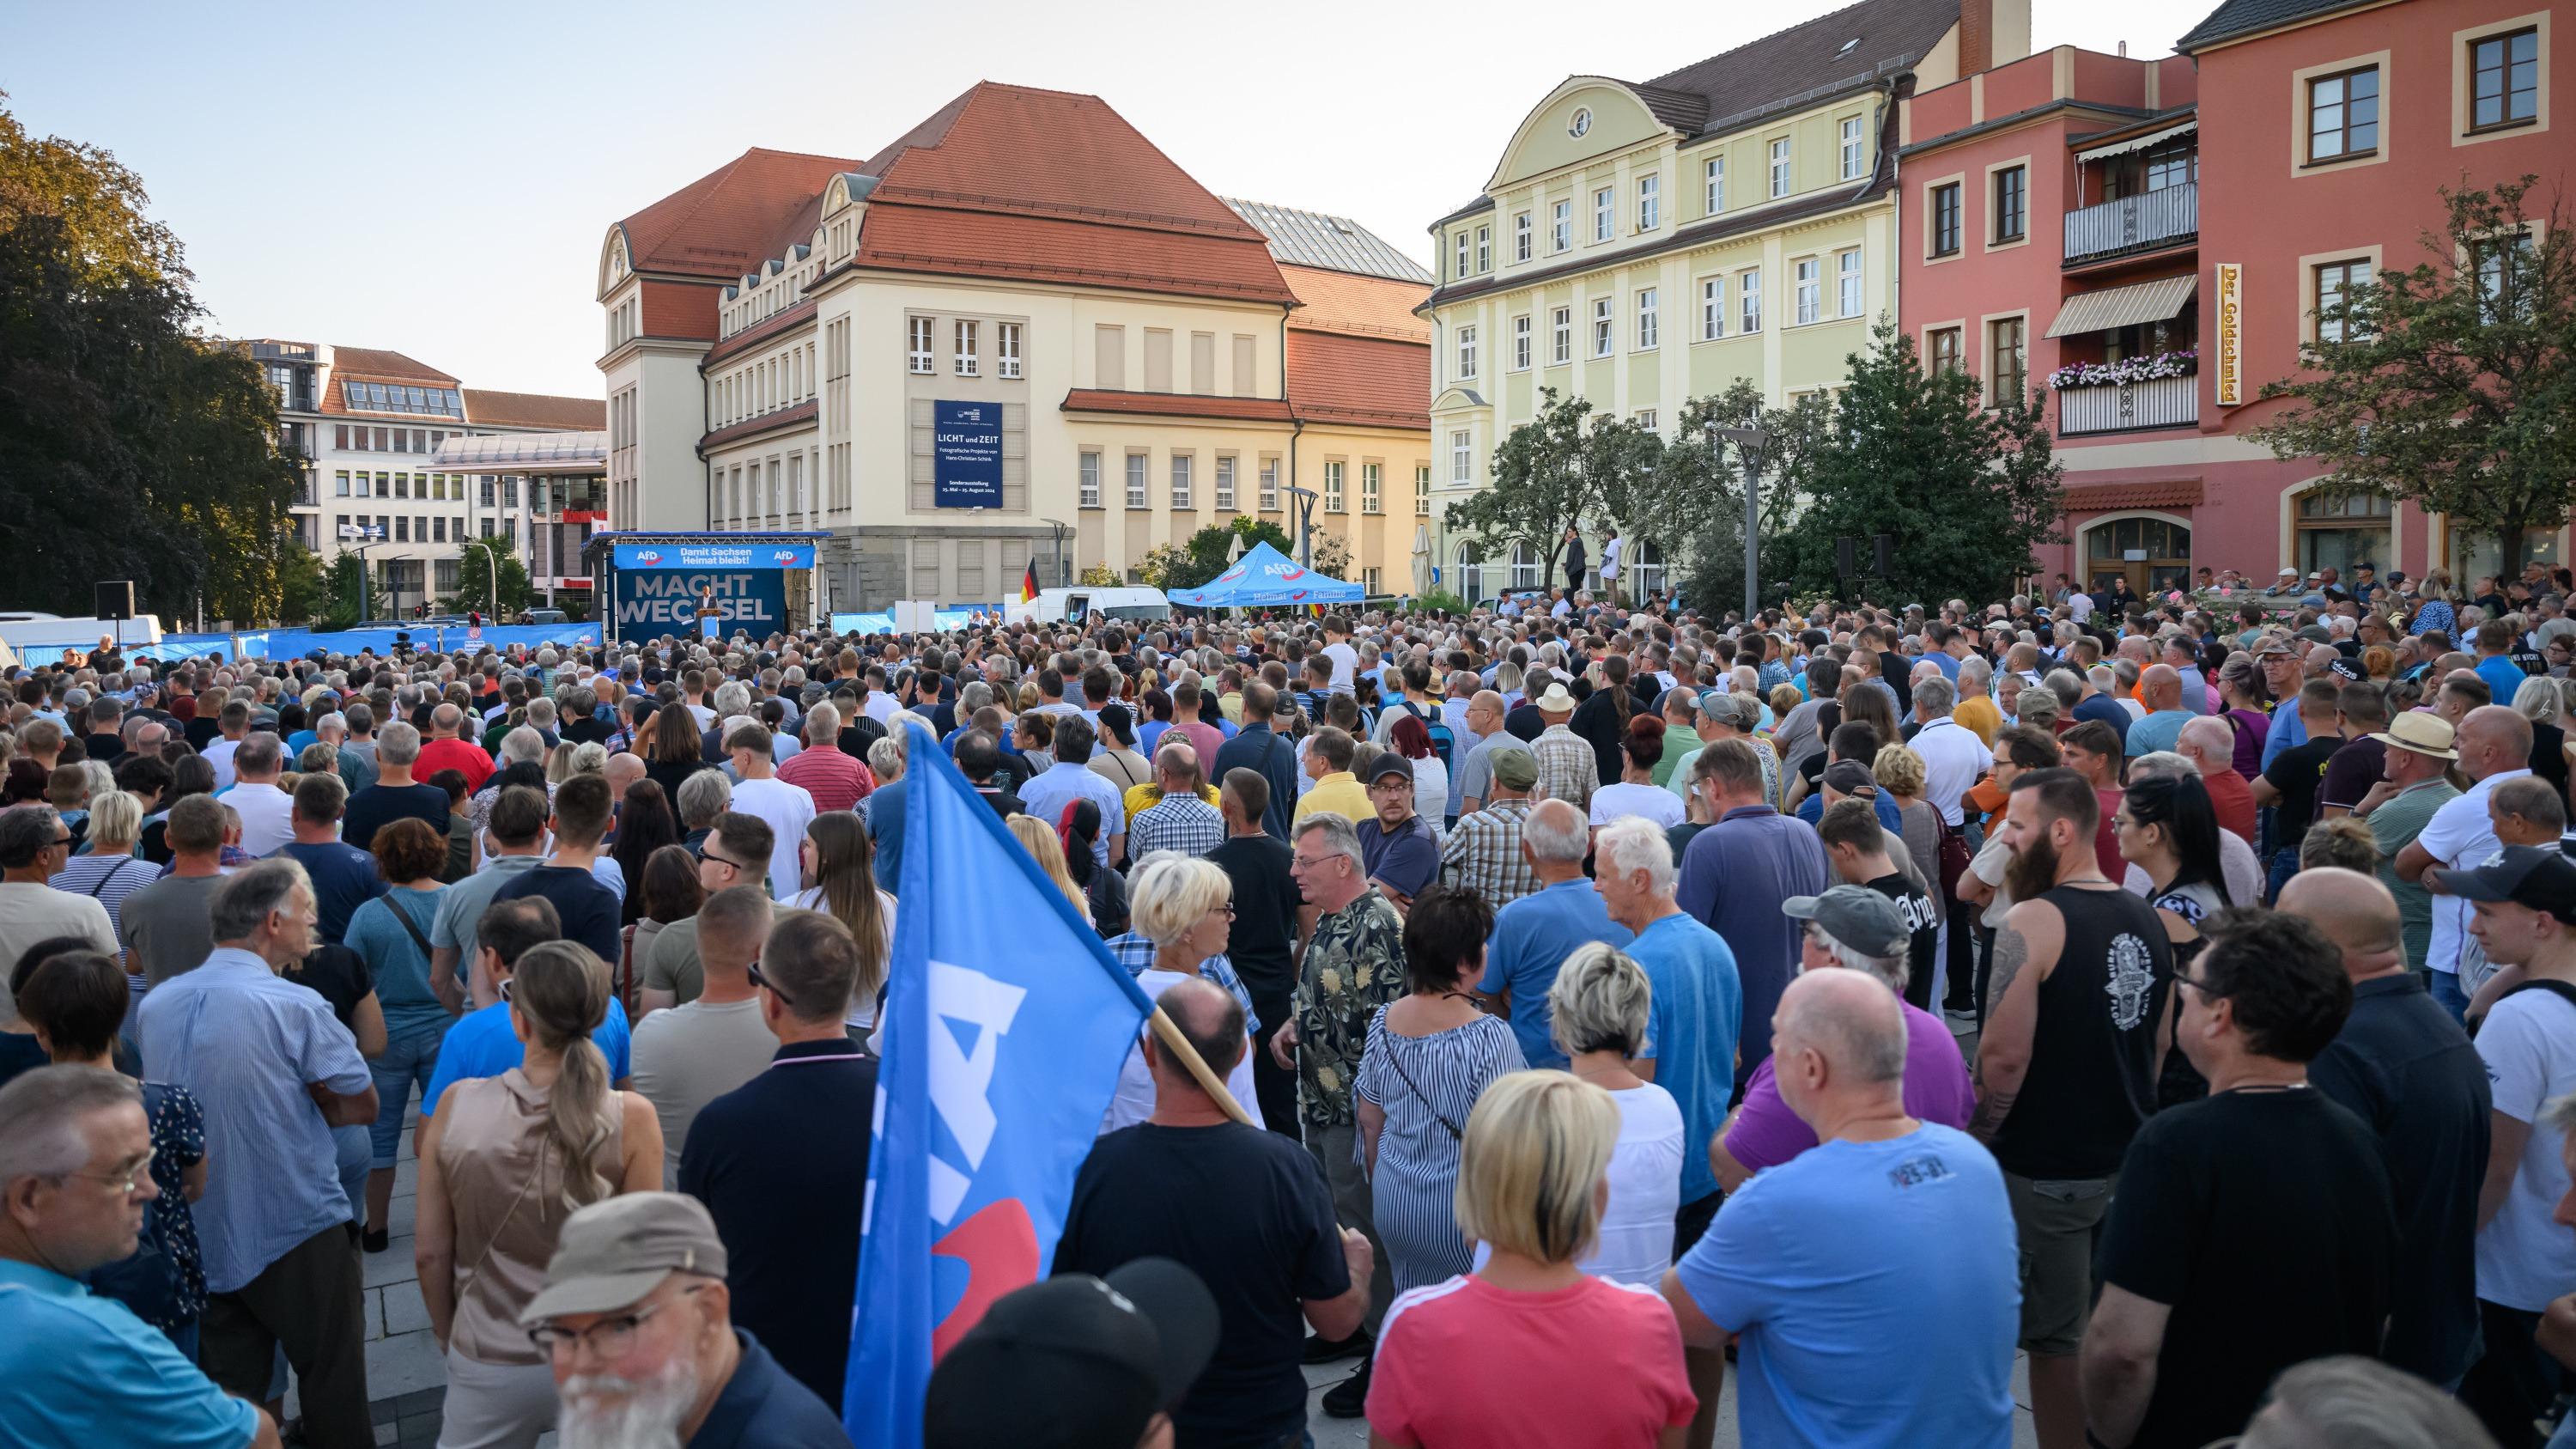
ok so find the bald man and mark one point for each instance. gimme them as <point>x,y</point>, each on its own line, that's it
<point>1803,1248</point>
<point>2408,1071</point>
<point>2160,690</point>
<point>2494,744</point>
<point>2209,742</point>
<point>1474,781</point>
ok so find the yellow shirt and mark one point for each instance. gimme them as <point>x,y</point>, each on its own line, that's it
<point>1144,797</point>
<point>1341,793</point>
<point>1981,717</point>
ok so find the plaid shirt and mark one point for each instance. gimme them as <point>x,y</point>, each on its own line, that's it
<point>1568,769</point>
<point>1184,823</point>
<point>1484,853</point>
<point>1136,953</point>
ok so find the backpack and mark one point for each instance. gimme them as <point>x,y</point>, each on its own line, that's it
<point>1444,741</point>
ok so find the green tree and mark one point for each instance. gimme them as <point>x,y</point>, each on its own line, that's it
<point>476,581</point>
<point>1968,492</point>
<point>304,588</point>
<point>2450,384</point>
<point>1542,473</point>
<point>349,593</point>
<point>130,445</point>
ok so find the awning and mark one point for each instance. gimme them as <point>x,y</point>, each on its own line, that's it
<point>2158,301</point>
<point>523,453</point>
<point>2136,143</point>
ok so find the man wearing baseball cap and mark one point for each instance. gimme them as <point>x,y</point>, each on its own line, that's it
<point>2524,903</point>
<point>2414,783</point>
<point>639,1324</point>
<point>1076,1362</point>
<point>1402,853</point>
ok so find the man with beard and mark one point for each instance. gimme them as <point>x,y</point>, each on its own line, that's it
<point>2066,1067</point>
<point>637,1318</point>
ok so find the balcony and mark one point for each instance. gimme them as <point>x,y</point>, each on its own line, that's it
<point>2134,223</point>
<point>2161,402</point>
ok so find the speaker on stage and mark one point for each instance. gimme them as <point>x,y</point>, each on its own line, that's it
<point>1884,545</point>
<point>1846,555</point>
<point>115,599</point>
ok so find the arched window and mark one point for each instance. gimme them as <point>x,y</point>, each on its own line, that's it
<point>1525,564</point>
<point>1470,580</point>
<point>1645,568</point>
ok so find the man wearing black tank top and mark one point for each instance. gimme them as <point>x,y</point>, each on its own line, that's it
<point>2066,1066</point>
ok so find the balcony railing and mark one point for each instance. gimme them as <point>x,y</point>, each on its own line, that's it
<point>2163,402</point>
<point>2151,218</point>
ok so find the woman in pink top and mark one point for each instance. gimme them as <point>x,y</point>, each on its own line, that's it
<point>1528,1352</point>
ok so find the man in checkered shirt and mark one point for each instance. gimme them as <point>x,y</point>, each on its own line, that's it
<point>1568,767</point>
<point>1484,847</point>
<point>1181,821</point>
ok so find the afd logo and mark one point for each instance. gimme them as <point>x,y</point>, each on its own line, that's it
<point>997,1244</point>
<point>1292,573</point>
<point>1298,595</point>
<point>783,557</point>
<point>648,558</point>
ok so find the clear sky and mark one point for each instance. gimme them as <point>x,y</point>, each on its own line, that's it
<point>437,178</point>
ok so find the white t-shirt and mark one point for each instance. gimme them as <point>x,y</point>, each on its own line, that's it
<point>1134,1101</point>
<point>219,757</point>
<point>687,1056</point>
<point>705,717</point>
<point>788,809</point>
<point>863,1006</point>
<point>1654,802</point>
<point>2529,1044</point>
<point>1636,1243</point>
<point>267,816</point>
<point>30,913</point>
<point>1346,663</point>
<point>2460,836</point>
<point>880,706</point>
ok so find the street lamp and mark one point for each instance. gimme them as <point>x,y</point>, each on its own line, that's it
<point>1305,523</point>
<point>491,573</point>
<point>1063,568</point>
<point>1749,443</point>
<point>367,533</point>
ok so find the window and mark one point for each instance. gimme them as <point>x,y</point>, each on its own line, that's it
<point>1225,481</point>
<point>2504,80</point>
<point>1458,267</point>
<point>2504,275</point>
<point>1647,419</point>
<point>1135,480</point>
<point>1183,465</point>
<point>2334,283</point>
<point>1810,289</point>
<point>1484,249</point>
<point>1944,350</point>
<point>2173,164</point>
<point>1462,458</point>
<point>1369,583</point>
<point>1090,480</point>
<point>1333,485</point>
<point>2007,348</point>
<point>1269,485</point>
<point>1852,148</point>
<point>1372,487</point>
<point>1562,323</point>
<point>1945,220</point>
<point>402,528</point>
<point>1712,308</point>
<point>1604,328</point>
<point>1561,238</point>
<point>1006,348</point>
<point>1466,354</point>
<point>2343,115</point>
<point>1521,237</point>
<point>1525,565</point>
<point>2338,533</point>
<point>1650,202</point>
<point>1748,300</point>
<point>1422,490</point>
<point>1520,344</point>
<point>1779,168</point>
<point>1471,577</point>
<point>2012,204</point>
<point>1648,318</point>
<point>1847,282</point>
<point>967,360</point>
<point>1716,174</point>
<point>340,485</point>
<point>438,529</point>
<point>1604,214</point>
<point>918,349</point>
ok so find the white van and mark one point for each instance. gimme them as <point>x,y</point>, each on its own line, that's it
<point>44,638</point>
<point>1052,605</point>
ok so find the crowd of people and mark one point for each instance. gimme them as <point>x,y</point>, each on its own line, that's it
<point>1577,1001</point>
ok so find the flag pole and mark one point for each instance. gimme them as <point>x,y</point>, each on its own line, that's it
<point>1178,1046</point>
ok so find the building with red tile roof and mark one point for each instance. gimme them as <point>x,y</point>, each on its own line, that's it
<point>1018,332</point>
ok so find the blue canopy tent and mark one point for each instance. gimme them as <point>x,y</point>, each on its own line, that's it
<point>1265,578</point>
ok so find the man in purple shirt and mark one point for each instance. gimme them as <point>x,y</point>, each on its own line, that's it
<point>1736,873</point>
<point>1855,927</point>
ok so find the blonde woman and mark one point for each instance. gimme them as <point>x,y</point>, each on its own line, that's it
<point>1185,907</point>
<point>2538,699</point>
<point>1597,1017</point>
<point>502,1164</point>
<point>1040,840</point>
<point>1466,1362</point>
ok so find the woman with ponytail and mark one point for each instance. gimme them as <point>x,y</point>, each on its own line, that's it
<point>502,1164</point>
<point>1602,718</point>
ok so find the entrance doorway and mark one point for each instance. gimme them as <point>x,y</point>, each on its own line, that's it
<point>2153,554</point>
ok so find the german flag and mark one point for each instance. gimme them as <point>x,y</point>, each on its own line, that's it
<point>1029,583</point>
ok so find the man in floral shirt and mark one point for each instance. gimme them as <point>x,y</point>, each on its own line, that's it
<point>1354,965</point>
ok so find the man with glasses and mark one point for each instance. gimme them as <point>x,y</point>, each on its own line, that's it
<point>275,1071</point>
<point>2254,1229</point>
<point>34,844</point>
<point>76,1369</point>
<point>663,1363</point>
<point>735,854</point>
<point>695,1052</point>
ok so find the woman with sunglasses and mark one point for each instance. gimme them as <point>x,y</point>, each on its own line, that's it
<point>504,1162</point>
<point>1186,908</point>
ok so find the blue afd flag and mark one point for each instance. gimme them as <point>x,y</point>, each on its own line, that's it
<point>1006,1025</point>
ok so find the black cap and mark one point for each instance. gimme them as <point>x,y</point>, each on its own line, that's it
<point>2527,875</point>
<point>1074,1362</point>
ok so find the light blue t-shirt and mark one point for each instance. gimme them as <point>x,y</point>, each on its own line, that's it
<point>1853,1334</point>
<point>481,1044</point>
<point>1693,1016</point>
<point>2287,731</point>
<point>78,1370</point>
<point>1532,938</point>
<point>2158,731</point>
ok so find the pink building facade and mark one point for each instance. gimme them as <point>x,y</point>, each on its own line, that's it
<point>2146,241</point>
